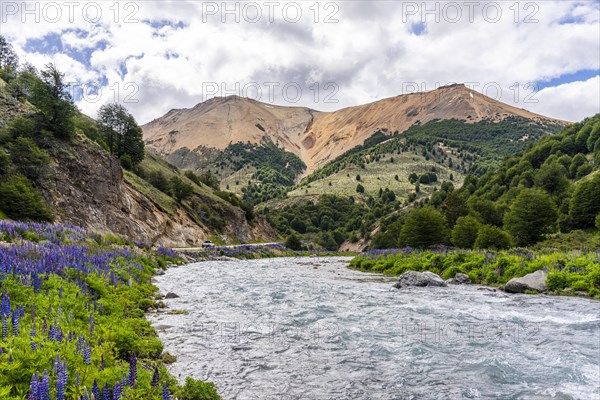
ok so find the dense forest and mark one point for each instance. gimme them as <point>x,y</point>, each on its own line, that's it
<point>552,188</point>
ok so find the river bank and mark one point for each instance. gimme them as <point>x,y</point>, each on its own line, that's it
<point>575,273</point>
<point>289,328</point>
<point>72,313</point>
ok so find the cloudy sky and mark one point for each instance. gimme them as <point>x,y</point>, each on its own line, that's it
<point>155,56</point>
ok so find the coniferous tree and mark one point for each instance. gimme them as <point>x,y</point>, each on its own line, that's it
<point>122,134</point>
<point>50,96</point>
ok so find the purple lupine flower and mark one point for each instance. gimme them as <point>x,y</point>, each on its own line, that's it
<point>117,391</point>
<point>155,377</point>
<point>15,323</point>
<point>33,345</point>
<point>77,379</point>
<point>4,328</point>
<point>91,320</point>
<point>86,395</point>
<point>33,388</point>
<point>87,355</point>
<point>44,391</point>
<point>61,382</point>
<point>106,392</point>
<point>80,343</point>
<point>101,367</point>
<point>96,390</point>
<point>33,332</point>
<point>166,393</point>
<point>132,370</point>
<point>5,308</point>
<point>123,380</point>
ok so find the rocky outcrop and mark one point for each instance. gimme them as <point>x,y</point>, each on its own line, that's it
<point>459,279</point>
<point>87,188</point>
<point>535,281</point>
<point>415,278</point>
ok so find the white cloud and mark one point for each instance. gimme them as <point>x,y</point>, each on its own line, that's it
<point>571,101</point>
<point>370,53</point>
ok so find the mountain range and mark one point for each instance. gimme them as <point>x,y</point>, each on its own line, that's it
<point>317,137</point>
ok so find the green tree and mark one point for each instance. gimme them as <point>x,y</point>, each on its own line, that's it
<point>465,232</point>
<point>158,180</point>
<point>531,216</point>
<point>179,189</point>
<point>551,177</point>
<point>210,180</point>
<point>598,222</point>
<point>194,178</point>
<point>423,228</point>
<point>20,201</point>
<point>358,178</point>
<point>29,159</point>
<point>577,161</point>
<point>327,241</point>
<point>122,133</point>
<point>5,163</point>
<point>486,210</point>
<point>293,242</point>
<point>585,203</point>
<point>360,188</point>
<point>454,206</point>
<point>8,58</point>
<point>298,225</point>
<point>492,237</point>
<point>50,96</point>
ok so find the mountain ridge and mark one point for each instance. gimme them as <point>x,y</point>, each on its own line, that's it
<point>317,137</point>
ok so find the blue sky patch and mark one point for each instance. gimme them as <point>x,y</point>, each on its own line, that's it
<point>418,28</point>
<point>581,75</point>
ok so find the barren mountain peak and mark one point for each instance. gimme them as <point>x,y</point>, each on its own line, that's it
<point>318,137</point>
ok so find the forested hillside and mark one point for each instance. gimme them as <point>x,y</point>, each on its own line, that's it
<point>550,193</point>
<point>57,164</point>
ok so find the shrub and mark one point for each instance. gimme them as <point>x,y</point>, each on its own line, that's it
<point>158,180</point>
<point>423,228</point>
<point>584,203</point>
<point>20,201</point>
<point>179,189</point>
<point>293,242</point>
<point>598,221</point>
<point>556,280</point>
<point>428,178</point>
<point>197,390</point>
<point>29,159</point>
<point>360,188</point>
<point>531,216</point>
<point>465,232</point>
<point>492,237</point>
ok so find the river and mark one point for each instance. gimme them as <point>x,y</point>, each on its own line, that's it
<point>310,328</point>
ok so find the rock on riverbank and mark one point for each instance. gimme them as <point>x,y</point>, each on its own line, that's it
<point>415,278</point>
<point>534,281</point>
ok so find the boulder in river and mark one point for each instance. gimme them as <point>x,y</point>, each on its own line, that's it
<point>459,279</point>
<point>415,278</point>
<point>534,281</point>
<point>171,295</point>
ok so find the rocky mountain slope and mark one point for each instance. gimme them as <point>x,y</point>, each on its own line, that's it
<point>86,186</point>
<point>90,189</point>
<point>318,137</point>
